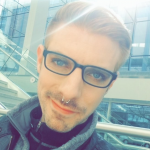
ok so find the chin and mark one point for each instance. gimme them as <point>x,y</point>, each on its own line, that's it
<point>59,127</point>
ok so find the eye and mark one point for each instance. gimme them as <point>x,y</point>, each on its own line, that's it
<point>60,62</point>
<point>96,75</point>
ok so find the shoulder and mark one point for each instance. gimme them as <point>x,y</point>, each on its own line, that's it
<point>4,121</point>
<point>4,126</point>
<point>8,134</point>
<point>100,143</point>
<point>5,132</point>
<point>3,118</point>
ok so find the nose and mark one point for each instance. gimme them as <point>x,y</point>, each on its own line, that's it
<point>72,85</point>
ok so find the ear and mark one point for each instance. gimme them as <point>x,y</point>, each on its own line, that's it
<point>40,50</point>
<point>112,82</point>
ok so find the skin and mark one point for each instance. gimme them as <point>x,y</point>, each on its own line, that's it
<point>87,49</point>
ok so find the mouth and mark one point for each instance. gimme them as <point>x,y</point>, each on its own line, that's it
<point>61,109</point>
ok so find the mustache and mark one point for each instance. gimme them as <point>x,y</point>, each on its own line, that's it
<point>72,104</point>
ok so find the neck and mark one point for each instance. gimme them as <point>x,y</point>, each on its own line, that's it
<point>49,136</point>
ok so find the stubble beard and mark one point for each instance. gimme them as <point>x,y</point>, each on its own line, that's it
<point>55,120</point>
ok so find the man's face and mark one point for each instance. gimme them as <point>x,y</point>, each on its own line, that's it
<point>86,49</point>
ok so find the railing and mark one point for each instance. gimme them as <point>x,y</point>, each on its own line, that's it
<point>22,55</point>
<point>3,111</point>
<point>19,64</point>
<point>111,129</point>
<point>19,73</point>
<point>125,146</point>
<point>128,134</point>
<point>123,129</point>
<point>110,116</point>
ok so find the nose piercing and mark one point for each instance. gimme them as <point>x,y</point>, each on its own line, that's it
<point>63,100</point>
<point>68,101</point>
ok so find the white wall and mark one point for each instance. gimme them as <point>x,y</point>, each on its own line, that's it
<point>130,88</point>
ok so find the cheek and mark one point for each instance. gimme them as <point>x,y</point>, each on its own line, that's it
<point>93,98</point>
<point>47,78</point>
<point>48,81</point>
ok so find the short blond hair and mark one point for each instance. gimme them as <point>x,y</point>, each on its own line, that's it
<point>96,19</point>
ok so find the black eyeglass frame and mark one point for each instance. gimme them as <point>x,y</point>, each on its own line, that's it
<point>76,65</point>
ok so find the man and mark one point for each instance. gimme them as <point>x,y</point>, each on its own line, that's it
<point>84,47</point>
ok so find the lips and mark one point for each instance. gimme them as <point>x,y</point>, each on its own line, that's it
<point>61,109</point>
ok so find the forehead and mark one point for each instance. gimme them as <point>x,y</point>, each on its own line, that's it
<point>85,47</point>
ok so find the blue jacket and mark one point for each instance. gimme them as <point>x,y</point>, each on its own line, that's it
<point>15,125</point>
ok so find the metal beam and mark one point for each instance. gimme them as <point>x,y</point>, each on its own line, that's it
<point>123,129</point>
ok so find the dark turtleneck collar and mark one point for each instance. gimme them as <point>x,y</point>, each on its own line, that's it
<point>46,135</point>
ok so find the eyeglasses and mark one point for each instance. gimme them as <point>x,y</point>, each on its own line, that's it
<point>63,65</point>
